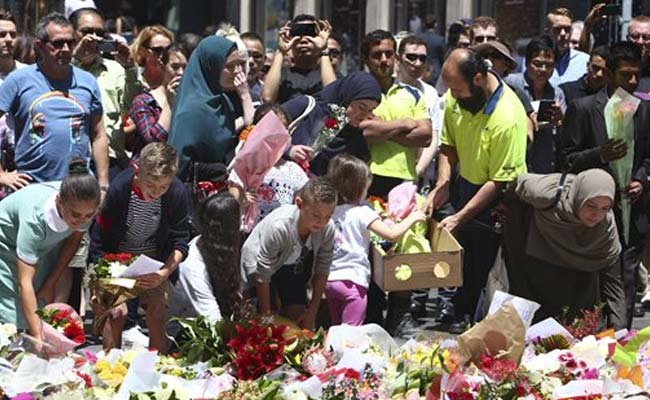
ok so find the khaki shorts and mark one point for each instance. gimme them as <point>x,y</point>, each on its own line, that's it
<point>160,291</point>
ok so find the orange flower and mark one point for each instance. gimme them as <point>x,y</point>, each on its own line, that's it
<point>245,132</point>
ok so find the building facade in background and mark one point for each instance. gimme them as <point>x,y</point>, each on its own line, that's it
<point>351,19</point>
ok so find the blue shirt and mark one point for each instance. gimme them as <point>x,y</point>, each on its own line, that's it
<point>570,67</point>
<point>53,119</point>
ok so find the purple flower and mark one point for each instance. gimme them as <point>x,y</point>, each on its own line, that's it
<point>23,396</point>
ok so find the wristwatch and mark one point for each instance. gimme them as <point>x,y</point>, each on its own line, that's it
<point>325,53</point>
<point>103,188</point>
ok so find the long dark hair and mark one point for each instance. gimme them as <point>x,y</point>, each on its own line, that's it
<point>218,222</point>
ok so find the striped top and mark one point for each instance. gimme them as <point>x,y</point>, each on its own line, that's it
<point>142,223</point>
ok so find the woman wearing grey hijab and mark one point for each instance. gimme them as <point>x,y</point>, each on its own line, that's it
<point>561,244</point>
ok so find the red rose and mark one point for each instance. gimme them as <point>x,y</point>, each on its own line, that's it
<point>331,123</point>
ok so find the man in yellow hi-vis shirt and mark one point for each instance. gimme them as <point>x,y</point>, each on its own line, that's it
<point>484,132</point>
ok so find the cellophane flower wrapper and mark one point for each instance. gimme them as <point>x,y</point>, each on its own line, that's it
<point>57,338</point>
<point>329,128</point>
<point>619,120</point>
<point>109,293</point>
<point>402,200</point>
<point>261,151</point>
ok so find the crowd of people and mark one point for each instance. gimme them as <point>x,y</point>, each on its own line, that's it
<point>123,144</point>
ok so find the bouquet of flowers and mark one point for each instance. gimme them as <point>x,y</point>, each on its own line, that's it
<point>62,327</point>
<point>109,289</point>
<point>257,349</point>
<point>331,127</point>
<point>348,383</point>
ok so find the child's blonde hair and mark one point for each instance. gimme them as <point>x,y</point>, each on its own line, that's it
<point>157,160</point>
<point>350,176</point>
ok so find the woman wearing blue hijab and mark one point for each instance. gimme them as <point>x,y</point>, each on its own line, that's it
<point>359,93</point>
<point>203,122</point>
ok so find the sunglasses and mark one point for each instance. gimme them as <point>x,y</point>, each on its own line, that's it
<point>61,43</point>
<point>12,34</point>
<point>92,31</point>
<point>414,57</point>
<point>484,38</point>
<point>637,36</point>
<point>158,50</point>
<point>335,53</point>
<point>299,266</point>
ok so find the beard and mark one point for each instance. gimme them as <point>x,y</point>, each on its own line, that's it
<point>475,102</point>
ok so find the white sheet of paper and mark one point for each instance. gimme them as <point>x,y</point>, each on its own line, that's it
<point>141,266</point>
<point>546,328</point>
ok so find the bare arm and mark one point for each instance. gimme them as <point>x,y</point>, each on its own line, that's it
<point>394,232</point>
<point>481,200</point>
<point>272,79</point>
<point>420,136</point>
<point>318,288</point>
<point>27,295</point>
<point>426,156</point>
<point>377,130</point>
<point>66,253</point>
<point>100,149</point>
<point>264,297</point>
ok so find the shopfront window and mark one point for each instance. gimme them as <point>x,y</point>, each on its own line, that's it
<point>348,21</point>
<point>270,16</point>
<point>409,15</point>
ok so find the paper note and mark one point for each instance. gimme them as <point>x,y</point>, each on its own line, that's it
<point>141,266</point>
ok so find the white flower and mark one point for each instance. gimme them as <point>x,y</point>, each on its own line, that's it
<point>116,269</point>
<point>7,331</point>
<point>293,394</point>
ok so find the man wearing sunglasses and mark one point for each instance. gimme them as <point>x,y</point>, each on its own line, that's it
<point>484,29</point>
<point>57,108</point>
<point>570,64</point>
<point>117,79</point>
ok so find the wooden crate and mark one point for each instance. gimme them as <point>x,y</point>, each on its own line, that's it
<point>443,267</point>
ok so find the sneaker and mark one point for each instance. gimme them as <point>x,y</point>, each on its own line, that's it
<point>135,338</point>
<point>407,327</point>
<point>460,326</point>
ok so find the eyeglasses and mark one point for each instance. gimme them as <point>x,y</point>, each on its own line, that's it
<point>377,55</point>
<point>61,43</point>
<point>158,50</point>
<point>335,53</point>
<point>93,31</point>
<point>637,36</point>
<point>541,64</point>
<point>412,57</point>
<point>12,34</point>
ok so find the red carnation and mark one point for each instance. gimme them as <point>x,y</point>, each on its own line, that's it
<point>75,332</point>
<point>331,123</point>
<point>88,381</point>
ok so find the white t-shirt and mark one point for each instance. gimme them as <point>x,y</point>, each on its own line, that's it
<point>433,105</point>
<point>192,295</point>
<point>278,188</point>
<point>351,243</point>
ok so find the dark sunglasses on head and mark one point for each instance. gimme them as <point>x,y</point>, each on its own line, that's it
<point>414,57</point>
<point>59,44</point>
<point>158,50</point>
<point>92,31</point>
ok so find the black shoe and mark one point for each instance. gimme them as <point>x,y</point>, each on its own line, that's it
<point>460,326</point>
<point>407,327</point>
<point>639,312</point>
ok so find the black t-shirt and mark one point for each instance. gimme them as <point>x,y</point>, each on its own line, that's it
<point>295,81</point>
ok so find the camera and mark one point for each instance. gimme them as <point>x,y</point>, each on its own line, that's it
<point>303,29</point>
<point>107,46</point>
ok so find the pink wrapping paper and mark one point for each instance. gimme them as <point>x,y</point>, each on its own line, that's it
<point>263,148</point>
<point>402,200</point>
